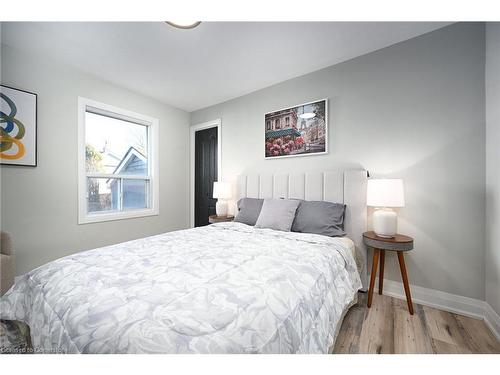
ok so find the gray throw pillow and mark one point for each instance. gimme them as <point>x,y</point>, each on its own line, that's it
<point>248,210</point>
<point>277,214</point>
<point>319,217</point>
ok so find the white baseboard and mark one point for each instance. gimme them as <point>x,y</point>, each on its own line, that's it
<point>492,320</point>
<point>454,303</point>
<point>435,298</point>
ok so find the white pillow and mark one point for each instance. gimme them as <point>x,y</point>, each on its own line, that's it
<point>277,214</point>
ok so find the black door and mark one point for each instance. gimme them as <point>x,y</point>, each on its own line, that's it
<point>205,173</point>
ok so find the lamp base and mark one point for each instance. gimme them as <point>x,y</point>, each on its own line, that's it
<point>221,207</point>
<point>385,222</point>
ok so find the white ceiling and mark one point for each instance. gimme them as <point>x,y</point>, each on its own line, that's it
<point>217,61</point>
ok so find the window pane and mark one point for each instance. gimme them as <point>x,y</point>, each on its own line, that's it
<point>135,193</point>
<point>115,146</point>
<point>103,194</point>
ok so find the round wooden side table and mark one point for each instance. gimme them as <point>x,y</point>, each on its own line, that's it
<point>398,243</point>
<point>219,219</point>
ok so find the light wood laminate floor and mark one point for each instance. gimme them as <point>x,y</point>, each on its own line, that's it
<point>387,327</point>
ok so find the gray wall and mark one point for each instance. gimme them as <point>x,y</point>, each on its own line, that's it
<point>493,165</point>
<point>39,205</point>
<point>414,110</point>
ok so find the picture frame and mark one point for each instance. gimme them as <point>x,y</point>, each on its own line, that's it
<point>299,130</point>
<point>18,127</point>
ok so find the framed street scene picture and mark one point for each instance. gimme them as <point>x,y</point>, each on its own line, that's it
<point>297,131</point>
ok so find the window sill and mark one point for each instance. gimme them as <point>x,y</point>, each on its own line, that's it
<point>98,218</point>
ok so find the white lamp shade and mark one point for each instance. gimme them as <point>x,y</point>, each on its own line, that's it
<point>385,192</point>
<point>222,190</point>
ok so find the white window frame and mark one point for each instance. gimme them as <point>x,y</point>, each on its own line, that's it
<point>152,124</point>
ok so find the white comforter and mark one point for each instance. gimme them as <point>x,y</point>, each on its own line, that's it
<point>224,288</point>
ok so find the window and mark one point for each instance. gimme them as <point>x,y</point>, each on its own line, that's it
<point>268,125</point>
<point>277,124</point>
<point>118,163</point>
<point>287,121</point>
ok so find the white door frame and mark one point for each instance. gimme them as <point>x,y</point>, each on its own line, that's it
<point>194,128</point>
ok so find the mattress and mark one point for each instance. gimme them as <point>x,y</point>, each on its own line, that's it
<point>223,288</point>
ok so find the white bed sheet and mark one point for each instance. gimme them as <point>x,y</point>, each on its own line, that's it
<point>223,288</point>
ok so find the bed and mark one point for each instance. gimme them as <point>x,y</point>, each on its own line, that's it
<point>224,288</point>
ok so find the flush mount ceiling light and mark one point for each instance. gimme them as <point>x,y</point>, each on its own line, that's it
<point>183,25</point>
<point>306,115</point>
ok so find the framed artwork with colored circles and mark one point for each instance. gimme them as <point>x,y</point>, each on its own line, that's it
<point>18,116</point>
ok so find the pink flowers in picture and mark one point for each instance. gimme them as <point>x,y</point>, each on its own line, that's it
<point>299,130</point>
<point>284,145</point>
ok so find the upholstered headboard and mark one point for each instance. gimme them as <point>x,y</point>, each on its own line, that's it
<point>348,187</point>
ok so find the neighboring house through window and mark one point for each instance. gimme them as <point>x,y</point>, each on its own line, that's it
<point>134,192</point>
<point>118,163</point>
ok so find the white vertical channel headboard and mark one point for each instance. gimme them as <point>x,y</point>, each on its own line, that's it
<point>348,187</point>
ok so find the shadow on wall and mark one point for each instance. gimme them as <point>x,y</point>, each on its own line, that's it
<point>447,229</point>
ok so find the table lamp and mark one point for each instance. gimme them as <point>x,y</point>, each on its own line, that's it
<point>222,191</point>
<point>383,194</point>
